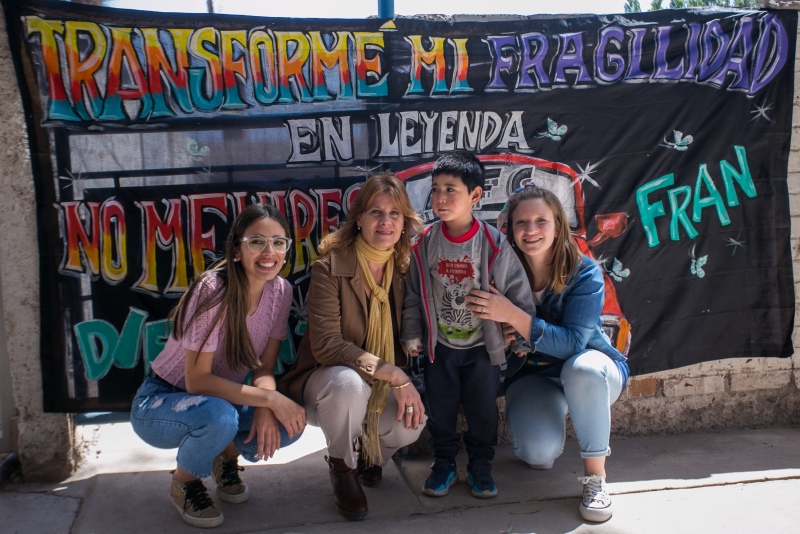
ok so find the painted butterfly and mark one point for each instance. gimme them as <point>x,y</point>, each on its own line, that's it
<point>681,143</point>
<point>554,131</point>
<point>617,272</point>
<point>696,268</point>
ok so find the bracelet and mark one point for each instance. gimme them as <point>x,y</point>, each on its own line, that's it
<point>400,386</point>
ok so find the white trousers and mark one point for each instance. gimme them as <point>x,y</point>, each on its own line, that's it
<point>335,400</point>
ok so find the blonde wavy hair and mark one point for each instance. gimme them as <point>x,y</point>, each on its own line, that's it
<point>382,183</point>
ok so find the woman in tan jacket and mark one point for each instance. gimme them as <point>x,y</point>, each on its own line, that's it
<point>349,373</point>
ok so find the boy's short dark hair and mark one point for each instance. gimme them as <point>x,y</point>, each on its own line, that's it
<point>463,165</point>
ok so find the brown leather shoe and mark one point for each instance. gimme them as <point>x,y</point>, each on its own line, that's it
<point>347,492</point>
<point>369,476</point>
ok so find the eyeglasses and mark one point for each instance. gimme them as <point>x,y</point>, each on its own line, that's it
<point>257,243</point>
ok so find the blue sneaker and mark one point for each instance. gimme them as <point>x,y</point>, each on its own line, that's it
<point>443,476</point>
<point>479,478</point>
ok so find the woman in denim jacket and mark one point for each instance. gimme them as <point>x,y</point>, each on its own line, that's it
<point>572,367</point>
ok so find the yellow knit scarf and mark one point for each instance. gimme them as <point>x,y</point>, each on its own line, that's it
<point>380,342</point>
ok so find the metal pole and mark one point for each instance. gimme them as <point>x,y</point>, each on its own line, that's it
<point>386,9</point>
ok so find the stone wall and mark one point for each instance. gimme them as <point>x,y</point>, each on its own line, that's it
<point>723,393</point>
<point>44,442</point>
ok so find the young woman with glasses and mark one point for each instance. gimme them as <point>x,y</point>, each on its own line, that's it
<point>230,322</point>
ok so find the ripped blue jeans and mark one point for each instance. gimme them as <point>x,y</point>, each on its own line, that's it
<point>200,427</point>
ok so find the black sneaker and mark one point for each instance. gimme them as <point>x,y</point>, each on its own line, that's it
<point>443,476</point>
<point>479,478</point>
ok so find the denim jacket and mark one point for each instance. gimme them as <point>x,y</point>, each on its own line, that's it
<point>570,323</point>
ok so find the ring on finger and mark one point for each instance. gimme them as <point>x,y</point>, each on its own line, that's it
<point>409,409</point>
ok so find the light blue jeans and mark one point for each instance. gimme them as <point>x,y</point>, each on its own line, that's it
<point>536,408</point>
<point>200,427</point>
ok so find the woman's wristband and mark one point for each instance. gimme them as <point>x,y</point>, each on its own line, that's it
<point>400,386</point>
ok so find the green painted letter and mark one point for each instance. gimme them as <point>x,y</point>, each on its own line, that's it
<point>648,211</point>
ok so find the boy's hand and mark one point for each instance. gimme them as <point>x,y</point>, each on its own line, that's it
<point>413,347</point>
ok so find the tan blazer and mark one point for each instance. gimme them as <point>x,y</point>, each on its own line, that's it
<point>337,322</point>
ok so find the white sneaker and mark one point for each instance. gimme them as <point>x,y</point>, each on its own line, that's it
<point>596,503</point>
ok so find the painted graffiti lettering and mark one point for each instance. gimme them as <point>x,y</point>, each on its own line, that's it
<point>406,133</point>
<point>435,61</point>
<point>322,139</point>
<point>167,234</point>
<point>93,69</point>
<point>409,133</point>
<point>101,346</point>
<point>189,229</point>
<point>683,198</point>
<point>101,72</point>
<point>746,57</point>
<point>103,246</point>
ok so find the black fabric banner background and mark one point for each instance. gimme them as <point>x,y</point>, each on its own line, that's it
<point>725,292</point>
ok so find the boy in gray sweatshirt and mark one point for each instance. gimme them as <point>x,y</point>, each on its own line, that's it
<point>454,255</point>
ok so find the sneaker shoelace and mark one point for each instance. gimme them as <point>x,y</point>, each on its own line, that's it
<point>230,472</point>
<point>196,495</point>
<point>594,491</point>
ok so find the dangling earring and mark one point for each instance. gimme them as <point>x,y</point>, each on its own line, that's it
<point>284,262</point>
<point>514,244</point>
<point>402,231</point>
<point>359,228</point>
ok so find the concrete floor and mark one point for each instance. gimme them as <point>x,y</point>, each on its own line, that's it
<point>732,481</point>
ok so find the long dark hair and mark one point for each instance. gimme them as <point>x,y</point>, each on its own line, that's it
<point>566,254</point>
<point>384,182</point>
<point>233,292</point>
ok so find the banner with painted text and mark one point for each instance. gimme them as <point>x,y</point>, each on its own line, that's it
<point>665,135</point>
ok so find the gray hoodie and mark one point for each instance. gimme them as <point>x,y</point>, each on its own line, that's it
<point>499,263</point>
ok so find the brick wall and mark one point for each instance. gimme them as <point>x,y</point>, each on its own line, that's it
<point>742,392</point>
